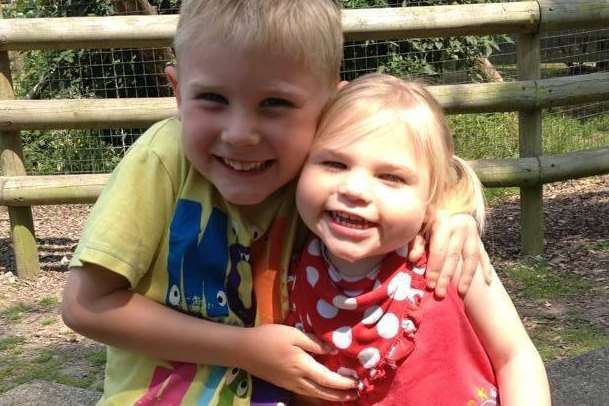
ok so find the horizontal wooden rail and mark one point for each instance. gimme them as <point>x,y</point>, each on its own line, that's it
<point>84,113</point>
<point>542,169</point>
<point>380,23</point>
<point>53,189</point>
<point>141,112</point>
<point>69,189</point>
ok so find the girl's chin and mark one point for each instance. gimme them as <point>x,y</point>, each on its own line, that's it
<point>346,253</point>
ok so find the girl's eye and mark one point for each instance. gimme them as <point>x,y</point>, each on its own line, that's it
<point>276,102</point>
<point>213,98</point>
<point>334,165</point>
<point>387,177</point>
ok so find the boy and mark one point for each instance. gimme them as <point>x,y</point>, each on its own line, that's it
<point>200,201</point>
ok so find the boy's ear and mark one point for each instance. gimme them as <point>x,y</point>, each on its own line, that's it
<point>172,76</point>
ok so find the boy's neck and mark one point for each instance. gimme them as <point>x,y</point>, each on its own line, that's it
<point>357,269</point>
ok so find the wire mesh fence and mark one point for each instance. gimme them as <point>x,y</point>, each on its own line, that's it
<point>119,73</point>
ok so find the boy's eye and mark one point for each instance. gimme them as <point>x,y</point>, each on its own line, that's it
<point>276,102</point>
<point>387,177</point>
<point>334,165</point>
<point>213,98</point>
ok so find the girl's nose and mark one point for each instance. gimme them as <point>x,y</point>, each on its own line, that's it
<point>356,187</point>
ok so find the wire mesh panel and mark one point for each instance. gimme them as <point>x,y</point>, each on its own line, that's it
<point>119,73</point>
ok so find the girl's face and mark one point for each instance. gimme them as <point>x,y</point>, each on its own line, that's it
<point>364,197</point>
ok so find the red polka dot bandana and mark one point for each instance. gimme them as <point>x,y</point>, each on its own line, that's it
<point>370,321</point>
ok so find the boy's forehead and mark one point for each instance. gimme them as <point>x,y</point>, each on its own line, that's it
<point>251,52</point>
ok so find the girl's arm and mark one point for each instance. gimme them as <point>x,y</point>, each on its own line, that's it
<point>521,375</point>
<point>98,303</point>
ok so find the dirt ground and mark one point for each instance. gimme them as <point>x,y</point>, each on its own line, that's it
<point>563,297</point>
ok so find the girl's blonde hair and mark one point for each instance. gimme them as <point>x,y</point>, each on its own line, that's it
<point>307,31</point>
<point>379,102</point>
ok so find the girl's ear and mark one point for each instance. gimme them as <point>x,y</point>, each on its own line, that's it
<point>172,77</point>
<point>341,84</point>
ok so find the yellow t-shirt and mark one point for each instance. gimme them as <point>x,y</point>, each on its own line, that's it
<point>166,229</point>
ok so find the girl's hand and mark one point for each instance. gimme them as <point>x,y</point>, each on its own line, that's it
<point>455,251</point>
<point>279,354</point>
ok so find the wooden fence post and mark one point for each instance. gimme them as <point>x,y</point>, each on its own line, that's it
<point>531,145</point>
<point>11,164</point>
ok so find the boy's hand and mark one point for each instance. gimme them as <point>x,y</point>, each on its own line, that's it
<point>455,251</point>
<point>279,354</point>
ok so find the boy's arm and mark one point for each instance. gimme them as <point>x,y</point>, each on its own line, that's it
<point>99,304</point>
<point>520,372</point>
<point>455,252</point>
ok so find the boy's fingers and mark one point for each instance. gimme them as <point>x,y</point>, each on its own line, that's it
<point>417,248</point>
<point>470,263</point>
<point>437,253</point>
<point>451,260</point>
<point>313,389</point>
<point>313,345</point>
<point>322,377</point>
<point>485,264</point>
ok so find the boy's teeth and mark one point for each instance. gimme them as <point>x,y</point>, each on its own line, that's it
<point>351,220</point>
<point>244,166</point>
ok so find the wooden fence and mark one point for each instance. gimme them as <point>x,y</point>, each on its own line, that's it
<point>528,96</point>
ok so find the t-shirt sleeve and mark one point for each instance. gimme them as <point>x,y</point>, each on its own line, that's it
<point>127,224</point>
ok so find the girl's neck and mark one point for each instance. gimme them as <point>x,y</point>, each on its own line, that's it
<point>357,269</point>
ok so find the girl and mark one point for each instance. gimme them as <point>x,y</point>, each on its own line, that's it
<point>382,162</point>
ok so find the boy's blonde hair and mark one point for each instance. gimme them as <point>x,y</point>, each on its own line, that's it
<point>307,31</point>
<point>380,102</point>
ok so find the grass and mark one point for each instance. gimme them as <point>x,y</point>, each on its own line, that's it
<point>98,358</point>
<point>10,343</point>
<point>538,282</point>
<point>17,366</point>
<point>602,245</point>
<point>48,321</point>
<point>556,336</point>
<point>566,339</point>
<point>46,365</point>
<point>48,303</point>
<point>495,135</point>
<point>16,312</point>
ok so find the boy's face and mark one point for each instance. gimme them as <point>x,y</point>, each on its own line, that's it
<point>364,197</point>
<point>248,118</point>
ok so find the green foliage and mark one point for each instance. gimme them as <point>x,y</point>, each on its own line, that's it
<point>78,73</point>
<point>67,151</point>
<point>430,56</point>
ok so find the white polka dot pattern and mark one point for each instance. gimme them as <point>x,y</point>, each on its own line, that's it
<point>312,275</point>
<point>326,310</point>
<point>367,320</point>
<point>314,248</point>
<point>369,357</point>
<point>388,326</point>
<point>342,337</point>
<point>372,315</point>
<point>347,303</point>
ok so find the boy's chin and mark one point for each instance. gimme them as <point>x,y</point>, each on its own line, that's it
<point>244,200</point>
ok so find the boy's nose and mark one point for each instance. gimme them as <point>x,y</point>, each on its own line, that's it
<point>356,187</point>
<point>240,132</point>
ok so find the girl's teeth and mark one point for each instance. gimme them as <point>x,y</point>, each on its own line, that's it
<point>351,220</point>
<point>244,166</point>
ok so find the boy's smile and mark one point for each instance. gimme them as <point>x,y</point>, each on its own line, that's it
<point>248,118</point>
<point>364,196</point>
